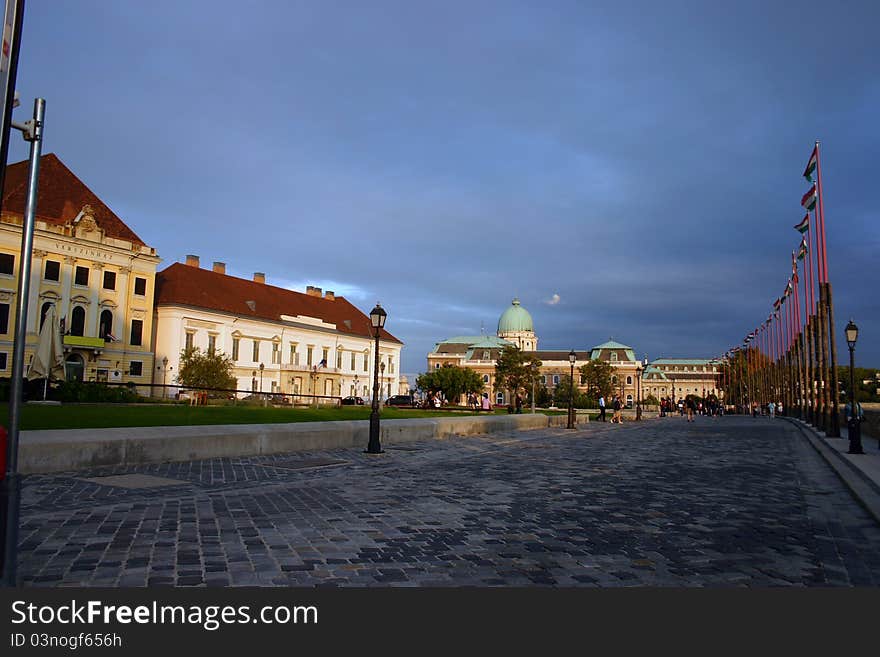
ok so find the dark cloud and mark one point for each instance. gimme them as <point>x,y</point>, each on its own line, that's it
<point>640,160</point>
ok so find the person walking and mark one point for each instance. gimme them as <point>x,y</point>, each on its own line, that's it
<point>485,403</point>
<point>616,405</point>
<point>691,407</point>
<point>771,410</point>
<point>602,407</point>
<point>519,403</point>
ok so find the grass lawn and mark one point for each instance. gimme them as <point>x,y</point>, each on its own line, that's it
<point>91,416</point>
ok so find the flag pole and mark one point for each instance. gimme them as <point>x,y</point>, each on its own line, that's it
<point>833,428</point>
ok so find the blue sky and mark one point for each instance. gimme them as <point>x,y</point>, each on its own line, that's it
<point>637,162</point>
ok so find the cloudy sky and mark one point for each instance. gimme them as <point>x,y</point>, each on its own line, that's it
<point>627,169</point>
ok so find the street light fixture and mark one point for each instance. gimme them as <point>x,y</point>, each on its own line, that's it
<point>638,393</point>
<point>377,321</point>
<point>854,428</point>
<point>572,357</point>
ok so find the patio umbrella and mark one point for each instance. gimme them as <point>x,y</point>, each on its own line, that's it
<point>49,357</point>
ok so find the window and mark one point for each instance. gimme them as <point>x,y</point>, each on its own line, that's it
<point>614,355</point>
<point>629,380</point>
<point>140,286</point>
<point>391,365</point>
<point>137,329</point>
<point>256,354</point>
<point>188,344</point>
<point>44,310</point>
<point>109,280</point>
<point>366,368</point>
<point>324,352</point>
<point>4,318</point>
<point>555,379</point>
<point>276,353</point>
<point>485,355</point>
<point>485,378</point>
<point>7,263</point>
<point>82,276</point>
<point>234,348</point>
<point>436,365</point>
<point>212,343</point>
<point>339,360</point>
<point>499,398</point>
<point>105,326</point>
<point>135,368</point>
<point>78,321</point>
<point>3,357</point>
<point>309,355</point>
<point>614,380</point>
<point>294,356</point>
<point>352,363</point>
<point>52,271</point>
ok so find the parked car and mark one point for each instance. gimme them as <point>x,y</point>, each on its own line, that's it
<point>353,401</point>
<point>399,400</point>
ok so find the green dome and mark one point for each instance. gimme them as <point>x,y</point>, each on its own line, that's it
<point>515,318</point>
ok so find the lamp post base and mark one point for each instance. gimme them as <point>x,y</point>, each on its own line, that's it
<point>855,438</point>
<point>374,446</point>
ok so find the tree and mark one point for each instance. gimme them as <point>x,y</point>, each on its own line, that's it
<point>516,371</point>
<point>200,369</point>
<point>596,375</point>
<point>452,380</point>
<point>563,391</point>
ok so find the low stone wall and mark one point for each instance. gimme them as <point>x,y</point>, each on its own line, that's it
<point>78,449</point>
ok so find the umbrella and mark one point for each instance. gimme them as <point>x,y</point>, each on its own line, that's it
<point>49,357</point>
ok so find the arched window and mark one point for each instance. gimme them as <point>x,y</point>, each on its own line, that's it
<point>43,312</point>
<point>78,321</point>
<point>629,380</point>
<point>485,378</point>
<point>614,379</point>
<point>105,325</point>
<point>614,355</point>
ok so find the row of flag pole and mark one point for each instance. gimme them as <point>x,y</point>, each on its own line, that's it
<point>791,357</point>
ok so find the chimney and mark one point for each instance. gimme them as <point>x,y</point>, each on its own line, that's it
<point>192,261</point>
<point>220,267</point>
<point>329,295</point>
<point>313,291</point>
<point>259,277</point>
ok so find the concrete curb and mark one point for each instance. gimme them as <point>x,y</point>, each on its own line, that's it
<point>860,485</point>
<point>78,449</point>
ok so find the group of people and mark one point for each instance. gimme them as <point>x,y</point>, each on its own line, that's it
<point>691,406</point>
<point>616,406</point>
<point>478,403</point>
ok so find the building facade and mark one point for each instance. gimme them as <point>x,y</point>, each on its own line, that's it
<point>87,263</point>
<point>280,341</point>
<point>679,377</point>
<point>516,328</point>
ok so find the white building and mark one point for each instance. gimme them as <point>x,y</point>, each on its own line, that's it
<point>280,341</point>
<point>90,265</point>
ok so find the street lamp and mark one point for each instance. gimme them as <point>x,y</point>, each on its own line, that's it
<point>572,357</point>
<point>377,321</point>
<point>262,367</point>
<point>534,377</point>
<point>381,382</point>
<point>854,428</point>
<point>355,385</point>
<point>638,393</point>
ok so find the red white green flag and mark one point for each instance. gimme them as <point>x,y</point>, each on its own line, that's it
<point>803,250</point>
<point>811,165</point>
<point>804,225</point>
<point>776,304</point>
<point>809,199</point>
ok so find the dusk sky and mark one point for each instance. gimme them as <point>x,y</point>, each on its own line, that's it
<point>627,169</point>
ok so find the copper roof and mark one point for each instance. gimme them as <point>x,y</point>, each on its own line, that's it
<point>185,285</point>
<point>60,197</point>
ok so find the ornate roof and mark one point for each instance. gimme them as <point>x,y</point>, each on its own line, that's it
<point>515,319</point>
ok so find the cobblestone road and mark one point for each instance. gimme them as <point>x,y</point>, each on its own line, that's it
<point>720,502</point>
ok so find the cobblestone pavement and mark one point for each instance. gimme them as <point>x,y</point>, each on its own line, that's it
<point>721,502</point>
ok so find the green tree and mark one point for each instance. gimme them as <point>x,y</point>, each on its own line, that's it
<point>563,390</point>
<point>452,380</point>
<point>596,376</point>
<point>516,370</point>
<point>202,369</point>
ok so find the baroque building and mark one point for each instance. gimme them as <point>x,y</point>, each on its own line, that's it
<point>516,328</point>
<point>87,263</point>
<point>280,341</point>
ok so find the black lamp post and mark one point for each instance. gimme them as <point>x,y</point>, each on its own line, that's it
<point>572,357</point>
<point>262,367</point>
<point>355,387</point>
<point>377,321</point>
<point>638,393</point>
<point>854,428</point>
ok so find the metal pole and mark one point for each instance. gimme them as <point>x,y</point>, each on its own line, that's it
<point>855,428</point>
<point>375,447</point>
<point>12,481</point>
<point>571,400</point>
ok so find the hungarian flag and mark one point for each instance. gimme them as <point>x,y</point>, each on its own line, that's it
<point>811,165</point>
<point>776,304</point>
<point>809,199</point>
<point>804,226</point>
<point>802,251</point>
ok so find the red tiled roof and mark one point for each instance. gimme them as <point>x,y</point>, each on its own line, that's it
<point>185,285</point>
<point>60,197</point>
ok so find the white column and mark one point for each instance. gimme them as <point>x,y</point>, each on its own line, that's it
<point>39,257</point>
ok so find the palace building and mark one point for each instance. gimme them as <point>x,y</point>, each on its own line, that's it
<point>516,328</point>
<point>280,341</point>
<point>87,263</point>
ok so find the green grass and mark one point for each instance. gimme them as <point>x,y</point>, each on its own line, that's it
<point>93,416</point>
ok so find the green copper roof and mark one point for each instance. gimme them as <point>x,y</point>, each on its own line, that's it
<point>515,318</point>
<point>476,341</point>
<point>612,345</point>
<point>683,361</point>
